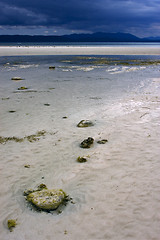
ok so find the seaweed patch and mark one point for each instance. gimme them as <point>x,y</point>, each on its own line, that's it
<point>30,138</point>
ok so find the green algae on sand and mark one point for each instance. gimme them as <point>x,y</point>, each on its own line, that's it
<point>30,138</point>
<point>11,224</point>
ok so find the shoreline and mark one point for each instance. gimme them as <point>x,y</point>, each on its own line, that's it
<point>77,50</point>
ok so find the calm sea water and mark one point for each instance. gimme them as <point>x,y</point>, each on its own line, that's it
<point>99,44</point>
<point>115,75</point>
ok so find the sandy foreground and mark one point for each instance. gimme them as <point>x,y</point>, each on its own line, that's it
<point>74,50</point>
<point>116,193</point>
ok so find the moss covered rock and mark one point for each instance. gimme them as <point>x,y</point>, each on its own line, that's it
<point>85,123</point>
<point>47,199</point>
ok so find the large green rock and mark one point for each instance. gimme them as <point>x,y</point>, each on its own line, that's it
<point>46,199</point>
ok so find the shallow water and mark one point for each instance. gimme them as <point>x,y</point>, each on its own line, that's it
<point>116,192</point>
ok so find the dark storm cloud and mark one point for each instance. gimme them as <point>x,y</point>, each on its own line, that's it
<point>87,15</point>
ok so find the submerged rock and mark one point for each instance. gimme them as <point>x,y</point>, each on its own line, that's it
<point>44,198</point>
<point>87,143</point>
<point>85,123</point>
<point>16,78</point>
<point>103,141</point>
<point>11,224</point>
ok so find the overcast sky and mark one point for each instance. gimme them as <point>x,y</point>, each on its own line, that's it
<point>57,17</point>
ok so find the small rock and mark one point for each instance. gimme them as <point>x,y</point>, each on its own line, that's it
<point>85,123</point>
<point>52,68</point>
<point>47,104</point>
<point>87,143</point>
<point>81,159</point>
<point>27,166</point>
<point>12,111</point>
<point>103,141</point>
<point>22,88</point>
<point>16,78</point>
<point>11,224</point>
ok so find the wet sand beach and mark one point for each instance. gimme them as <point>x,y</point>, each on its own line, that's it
<point>115,194</point>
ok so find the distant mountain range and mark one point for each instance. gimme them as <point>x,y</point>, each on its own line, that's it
<point>94,37</point>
